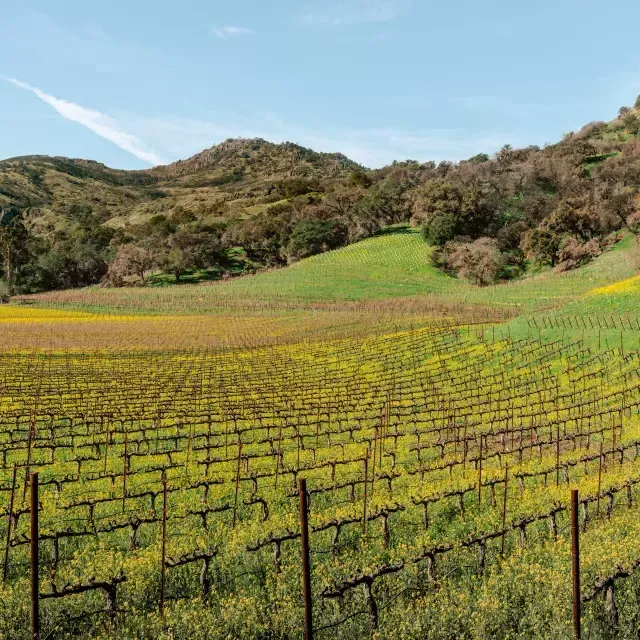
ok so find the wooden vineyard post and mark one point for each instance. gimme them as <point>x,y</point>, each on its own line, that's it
<point>366,484</point>
<point>599,480</point>
<point>35,609</point>
<point>9,524</point>
<point>557,451</point>
<point>575,562</point>
<point>504,505</point>
<point>306,563</point>
<point>480,474</point>
<point>163,550</point>
<point>124,471</point>
<point>235,499</point>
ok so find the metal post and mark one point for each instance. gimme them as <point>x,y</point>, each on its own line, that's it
<point>575,562</point>
<point>306,563</point>
<point>35,613</point>
<point>164,542</point>
<point>9,524</point>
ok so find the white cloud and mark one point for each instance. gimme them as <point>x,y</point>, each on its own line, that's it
<point>337,14</point>
<point>230,32</point>
<point>99,123</point>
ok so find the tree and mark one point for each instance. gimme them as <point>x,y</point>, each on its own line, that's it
<point>479,158</point>
<point>572,253</point>
<point>382,204</point>
<point>13,239</point>
<point>631,123</point>
<point>479,261</point>
<point>5,292</point>
<point>359,178</point>
<point>440,230</point>
<point>195,247</point>
<point>438,197</point>
<point>265,236</point>
<point>130,260</point>
<point>540,245</point>
<point>575,218</point>
<point>310,237</point>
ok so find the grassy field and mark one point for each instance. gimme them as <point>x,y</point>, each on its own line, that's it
<point>389,266</point>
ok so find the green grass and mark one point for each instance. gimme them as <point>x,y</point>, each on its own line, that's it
<point>397,263</point>
<point>391,265</point>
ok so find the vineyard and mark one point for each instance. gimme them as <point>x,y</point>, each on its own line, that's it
<point>430,444</point>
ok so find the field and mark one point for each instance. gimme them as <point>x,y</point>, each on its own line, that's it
<point>440,429</point>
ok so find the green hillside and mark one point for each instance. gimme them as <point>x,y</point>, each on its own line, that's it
<point>395,264</point>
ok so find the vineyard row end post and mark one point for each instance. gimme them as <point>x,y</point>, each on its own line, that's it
<point>306,562</point>
<point>35,609</point>
<point>575,563</point>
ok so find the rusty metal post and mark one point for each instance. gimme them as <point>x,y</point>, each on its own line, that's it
<point>9,524</point>
<point>164,542</point>
<point>35,609</point>
<point>575,562</point>
<point>306,562</point>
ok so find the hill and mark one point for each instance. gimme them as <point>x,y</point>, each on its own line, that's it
<point>236,171</point>
<point>246,205</point>
<point>390,266</point>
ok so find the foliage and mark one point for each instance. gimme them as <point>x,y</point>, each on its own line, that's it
<point>309,237</point>
<point>530,200</point>
<point>479,262</point>
<point>131,260</point>
<point>573,253</point>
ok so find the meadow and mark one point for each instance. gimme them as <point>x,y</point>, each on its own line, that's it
<point>439,428</point>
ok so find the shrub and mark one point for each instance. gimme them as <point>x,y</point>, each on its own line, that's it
<point>572,253</point>
<point>479,261</point>
<point>309,237</point>
<point>440,229</point>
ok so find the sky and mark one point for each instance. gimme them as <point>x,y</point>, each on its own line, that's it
<point>144,82</point>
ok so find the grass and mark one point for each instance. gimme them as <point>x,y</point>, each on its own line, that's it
<point>385,266</point>
<point>390,266</point>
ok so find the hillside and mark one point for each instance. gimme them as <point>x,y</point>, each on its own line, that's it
<point>246,205</point>
<point>391,266</point>
<point>236,171</point>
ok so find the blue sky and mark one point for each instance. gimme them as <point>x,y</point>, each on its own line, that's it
<point>142,82</point>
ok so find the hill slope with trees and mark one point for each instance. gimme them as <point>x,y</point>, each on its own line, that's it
<point>244,205</point>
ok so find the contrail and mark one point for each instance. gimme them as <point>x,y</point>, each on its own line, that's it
<point>99,123</point>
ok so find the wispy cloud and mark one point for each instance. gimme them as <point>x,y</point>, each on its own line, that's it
<point>101,124</point>
<point>337,14</point>
<point>230,32</point>
<point>177,137</point>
